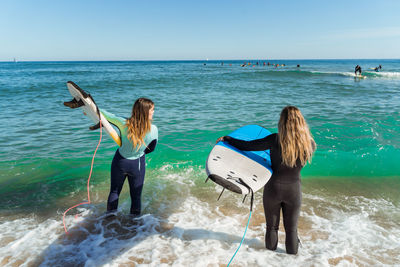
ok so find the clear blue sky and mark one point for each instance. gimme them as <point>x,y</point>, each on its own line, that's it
<point>198,29</point>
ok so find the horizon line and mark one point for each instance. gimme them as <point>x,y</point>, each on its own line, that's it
<point>182,60</point>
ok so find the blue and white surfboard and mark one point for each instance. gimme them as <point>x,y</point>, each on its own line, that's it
<point>240,171</point>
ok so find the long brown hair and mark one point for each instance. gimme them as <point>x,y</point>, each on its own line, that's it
<point>139,123</point>
<point>295,139</point>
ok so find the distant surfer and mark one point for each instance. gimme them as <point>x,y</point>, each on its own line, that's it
<point>377,69</point>
<point>139,137</point>
<point>357,70</point>
<point>290,149</point>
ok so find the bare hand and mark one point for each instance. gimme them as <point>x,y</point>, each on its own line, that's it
<point>221,139</point>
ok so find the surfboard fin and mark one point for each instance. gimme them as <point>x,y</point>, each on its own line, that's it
<point>95,127</point>
<point>221,193</point>
<point>252,194</point>
<point>74,103</point>
<point>252,200</point>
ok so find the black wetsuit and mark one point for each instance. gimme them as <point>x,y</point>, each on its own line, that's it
<point>357,69</point>
<point>283,191</point>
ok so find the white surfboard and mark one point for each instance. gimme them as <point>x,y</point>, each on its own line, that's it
<point>240,171</point>
<point>359,76</point>
<point>86,103</point>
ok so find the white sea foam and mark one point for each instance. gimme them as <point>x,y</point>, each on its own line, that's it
<point>368,74</point>
<point>199,231</point>
<point>388,74</point>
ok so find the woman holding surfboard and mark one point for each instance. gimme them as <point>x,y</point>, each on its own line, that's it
<point>291,148</point>
<point>138,137</point>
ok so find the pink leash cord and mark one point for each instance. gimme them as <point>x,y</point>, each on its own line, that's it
<point>88,181</point>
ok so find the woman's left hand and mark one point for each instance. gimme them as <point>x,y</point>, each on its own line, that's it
<point>221,139</point>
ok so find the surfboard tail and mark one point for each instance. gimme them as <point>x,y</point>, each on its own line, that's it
<point>84,100</point>
<point>76,87</point>
<point>226,184</point>
<point>74,103</point>
<point>95,127</point>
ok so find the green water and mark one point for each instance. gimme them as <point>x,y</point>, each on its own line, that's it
<point>46,148</point>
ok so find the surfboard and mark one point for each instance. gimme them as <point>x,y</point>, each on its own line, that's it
<point>240,171</point>
<point>360,76</point>
<point>83,100</point>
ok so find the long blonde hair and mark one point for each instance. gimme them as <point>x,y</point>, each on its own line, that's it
<point>295,139</point>
<point>139,124</point>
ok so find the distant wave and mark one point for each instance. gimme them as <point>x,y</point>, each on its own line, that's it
<point>300,73</point>
<point>395,75</point>
<point>385,74</point>
<point>62,72</point>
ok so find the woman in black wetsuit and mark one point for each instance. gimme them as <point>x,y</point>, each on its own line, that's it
<point>291,148</point>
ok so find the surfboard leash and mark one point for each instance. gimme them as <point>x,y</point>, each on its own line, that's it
<point>241,242</point>
<point>251,209</point>
<point>90,175</point>
<point>248,222</point>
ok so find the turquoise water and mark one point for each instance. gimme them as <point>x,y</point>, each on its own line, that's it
<point>46,148</point>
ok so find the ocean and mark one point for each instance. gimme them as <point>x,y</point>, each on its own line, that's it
<point>350,212</point>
